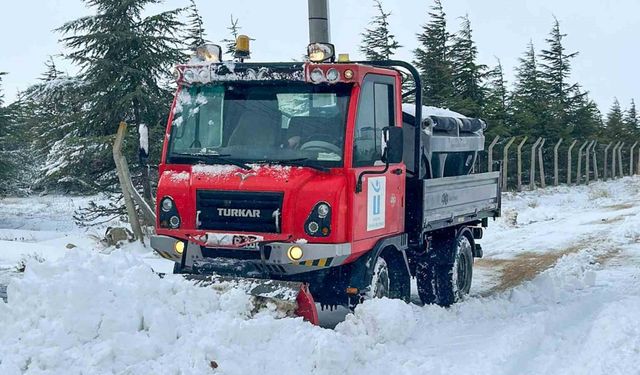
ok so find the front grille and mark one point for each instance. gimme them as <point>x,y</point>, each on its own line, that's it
<point>239,211</point>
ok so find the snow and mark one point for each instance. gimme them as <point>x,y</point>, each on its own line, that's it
<point>430,111</point>
<point>218,170</point>
<point>143,131</point>
<point>88,310</point>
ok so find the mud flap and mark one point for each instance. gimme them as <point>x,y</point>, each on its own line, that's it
<point>289,298</point>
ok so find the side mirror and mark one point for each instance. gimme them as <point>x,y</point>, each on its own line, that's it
<point>394,148</point>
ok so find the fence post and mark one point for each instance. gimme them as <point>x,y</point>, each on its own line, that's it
<point>606,159</point>
<point>569,167</point>
<point>490,153</point>
<point>520,162</point>
<point>631,159</point>
<point>505,163</point>
<point>613,160</point>
<point>555,162</point>
<point>587,153</point>
<point>543,182</point>
<point>620,159</point>
<point>532,172</point>
<point>579,175</point>
<point>638,164</point>
<point>124,182</point>
<point>595,163</point>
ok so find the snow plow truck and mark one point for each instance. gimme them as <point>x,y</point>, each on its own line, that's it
<point>312,183</point>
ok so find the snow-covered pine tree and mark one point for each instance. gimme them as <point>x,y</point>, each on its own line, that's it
<point>432,59</point>
<point>528,105</point>
<point>230,42</point>
<point>378,43</point>
<point>195,30</point>
<point>632,122</point>
<point>495,111</point>
<point>466,73</point>
<point>615,126</point>
<point>124,58</point>
<point>555,72</point>
<point>53,110</point>
<point>6,165</point>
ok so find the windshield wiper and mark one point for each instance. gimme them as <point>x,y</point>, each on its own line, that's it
<point>300,162</point>
<point>207,158</point>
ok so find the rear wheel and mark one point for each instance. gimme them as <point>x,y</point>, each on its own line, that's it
<point>380,284</point>
<point>445,284</point>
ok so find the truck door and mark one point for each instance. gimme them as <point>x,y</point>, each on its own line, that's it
<point>379,208</point>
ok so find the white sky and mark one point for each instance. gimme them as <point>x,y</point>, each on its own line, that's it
<point>604,31</point>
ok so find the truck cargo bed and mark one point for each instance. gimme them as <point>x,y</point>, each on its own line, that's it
<point>461,199</point>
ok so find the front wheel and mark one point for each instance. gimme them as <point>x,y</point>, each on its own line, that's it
<point>446,284</point>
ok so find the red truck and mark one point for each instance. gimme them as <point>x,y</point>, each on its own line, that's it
<point>312,173</point>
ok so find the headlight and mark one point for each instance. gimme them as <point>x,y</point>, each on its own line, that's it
<point>317,75</point>
<point>174,222</point>
<point>167,204</point>
<point>333,75</point>
<point>179,247</point>
<point>313,227</point>
<point>323,210</point>
<point>318,222</point>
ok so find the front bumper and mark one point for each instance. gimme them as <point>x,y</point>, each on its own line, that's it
<point>269,259</point>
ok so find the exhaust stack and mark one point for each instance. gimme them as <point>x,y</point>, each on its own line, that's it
<point>319,31</point>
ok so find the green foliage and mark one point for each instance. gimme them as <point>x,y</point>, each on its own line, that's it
<point>496,104</point>
<point>196,35</point>
<point>631,121</point>
<point>615,126</point>
<point>528,104</point>
<point>378,43</point>
<point>230,42</point>
<point>432,59</point>
<point>466,73</point>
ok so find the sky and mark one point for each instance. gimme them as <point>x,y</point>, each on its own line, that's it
<point>605,32</point>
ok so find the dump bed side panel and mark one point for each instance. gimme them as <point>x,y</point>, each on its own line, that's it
<point>456,200</point>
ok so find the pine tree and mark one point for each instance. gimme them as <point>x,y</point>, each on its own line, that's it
<point>467,74</point>
<point>230,43</point>
<point>528,102</point>
<point>585,117</point>
<point>52,73</point>
<point>615,127</point>
<point>632,122</point>
<point>6,166</point>
<point>195,30</point>
<point>432,59</point>
<point>495,111</point>
<point>556,70</point>
<point>378,43</point>
<point>124,59</point>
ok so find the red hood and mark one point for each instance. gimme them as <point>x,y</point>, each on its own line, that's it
<point>303,188</point>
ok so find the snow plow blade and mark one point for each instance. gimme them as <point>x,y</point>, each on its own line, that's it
<point>290,298</point>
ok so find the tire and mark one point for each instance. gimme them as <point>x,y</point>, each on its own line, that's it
<point>380,285</point>
<point>446,284</point>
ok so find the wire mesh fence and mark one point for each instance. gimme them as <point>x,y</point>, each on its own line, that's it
<point>532,163</point>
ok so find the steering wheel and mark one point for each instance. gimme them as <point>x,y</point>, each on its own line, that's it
<point>321,146</point>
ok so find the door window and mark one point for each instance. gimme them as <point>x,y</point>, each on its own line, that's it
<point>375,112</point>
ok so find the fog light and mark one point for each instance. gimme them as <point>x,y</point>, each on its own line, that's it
<point>179,247</point>
<point>295,252</point>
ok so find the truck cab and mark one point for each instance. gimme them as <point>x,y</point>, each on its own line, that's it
<point>293,171</point>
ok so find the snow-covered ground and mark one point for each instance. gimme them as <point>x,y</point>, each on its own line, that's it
<point>558,292</point>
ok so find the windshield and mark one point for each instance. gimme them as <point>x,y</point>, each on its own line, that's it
<point>235,123</point>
